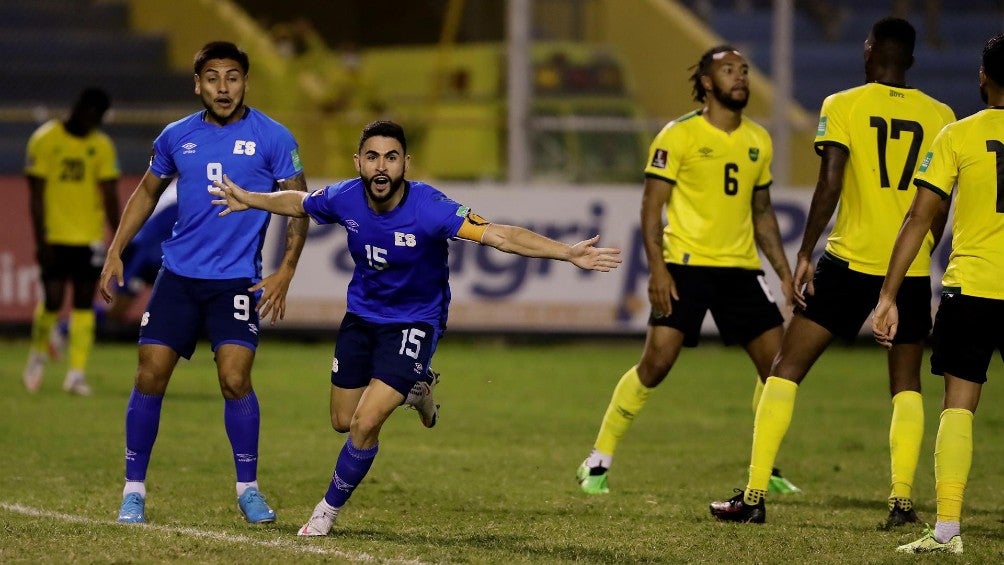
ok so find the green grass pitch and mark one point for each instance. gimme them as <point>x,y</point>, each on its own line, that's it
<point>494,481</point>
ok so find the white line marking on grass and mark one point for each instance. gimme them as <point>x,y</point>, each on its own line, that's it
<point>278,543</point>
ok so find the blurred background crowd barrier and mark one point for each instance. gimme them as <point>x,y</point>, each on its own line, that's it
<point>495,95</point>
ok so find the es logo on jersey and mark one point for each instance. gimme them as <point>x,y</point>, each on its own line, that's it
<point>242,147</point>
<point>659,158</point>
<point>404,239</point>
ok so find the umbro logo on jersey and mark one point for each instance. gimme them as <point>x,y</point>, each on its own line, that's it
<point>660,158</point>
<point>253,328</point>
<point>189,148</point>
<point>352,226</point>
<point>705,152</point>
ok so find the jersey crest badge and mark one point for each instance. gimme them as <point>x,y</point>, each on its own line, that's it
<point>821,129</point>
<point>754,153</point>
<point>659,158</point>
<point>926,162</point>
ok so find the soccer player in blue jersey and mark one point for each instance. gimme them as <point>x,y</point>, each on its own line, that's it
<point>399,295</point>
<point>211,279</point>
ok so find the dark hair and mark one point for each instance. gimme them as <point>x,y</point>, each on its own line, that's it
<point>703,67</point>
<point>896,38</point>
<point>221,50</point>
<point>95,98</point>
<point>384,128</point>
<point>993,59</point>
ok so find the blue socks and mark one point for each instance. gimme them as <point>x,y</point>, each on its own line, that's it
<point>141,425</point>
<point>242,418</point>
<point>350,470</point>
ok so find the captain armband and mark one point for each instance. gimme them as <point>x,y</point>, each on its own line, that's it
<point>473,228</point>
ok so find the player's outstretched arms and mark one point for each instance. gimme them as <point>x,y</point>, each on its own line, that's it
<point>521,241</point>
<point>236,199</point>
<point>586,255</point>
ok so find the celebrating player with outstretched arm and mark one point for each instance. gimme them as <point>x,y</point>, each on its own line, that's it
<point>399,295</point>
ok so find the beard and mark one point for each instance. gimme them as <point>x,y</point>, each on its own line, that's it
<point>238,103</point>
<point>726,99</point>
<point>395,186</point>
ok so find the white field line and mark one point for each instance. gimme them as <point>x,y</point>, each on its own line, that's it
<point>278,543</point>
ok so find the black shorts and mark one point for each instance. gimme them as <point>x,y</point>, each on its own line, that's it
<point>397,354</point>
<point>739,300</point>
<point>74,262</point>
<point>967,330</point>
<point>845,298</point>
<point>181,309</point>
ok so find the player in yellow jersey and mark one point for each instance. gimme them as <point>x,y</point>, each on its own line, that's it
<point>710,171</point>
<point>72,171</point>
<point>969,156</point>
<point>869,139</point>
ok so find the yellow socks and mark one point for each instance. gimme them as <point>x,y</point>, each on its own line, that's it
<point>81,338</point>
<point>757,393</point>
<point>773,416</point>
<point>905,434</point>
<point>628,399</point>
<point>953,455</point>
<point>41,326</point>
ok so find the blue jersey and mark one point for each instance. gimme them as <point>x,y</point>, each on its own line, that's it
<point>255,152</point>
<point>401,272</point>
<point>158,227</point>
<point>141,259</point>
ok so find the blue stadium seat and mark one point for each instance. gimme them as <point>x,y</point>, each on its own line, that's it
<point>821,67</point>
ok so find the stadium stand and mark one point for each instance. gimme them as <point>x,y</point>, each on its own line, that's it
<point>825,65</point>
<point>53,48</point>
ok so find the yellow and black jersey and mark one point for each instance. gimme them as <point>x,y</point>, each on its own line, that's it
<point>714,173</point>
<point>885,130</point>
<point>72,168</point>
<point>969,155</point>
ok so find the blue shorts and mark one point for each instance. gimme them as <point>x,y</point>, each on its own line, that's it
<point>182,309</point>
<point>397,354</point>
